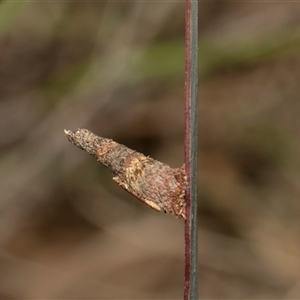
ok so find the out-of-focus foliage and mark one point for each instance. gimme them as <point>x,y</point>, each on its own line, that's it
<point>117,68</point>
<point>9,12</point>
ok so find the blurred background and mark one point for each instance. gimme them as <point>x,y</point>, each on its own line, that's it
<point>117,68</point>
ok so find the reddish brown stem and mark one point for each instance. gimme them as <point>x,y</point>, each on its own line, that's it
<point>187,145</point>
<point>191,124</point>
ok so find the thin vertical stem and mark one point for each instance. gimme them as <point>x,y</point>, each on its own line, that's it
<point>191,145</point>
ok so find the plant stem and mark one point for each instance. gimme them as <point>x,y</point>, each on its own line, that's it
<point>191,146</point>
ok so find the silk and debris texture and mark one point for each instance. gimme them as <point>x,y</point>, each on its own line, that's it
<point>151,181</point>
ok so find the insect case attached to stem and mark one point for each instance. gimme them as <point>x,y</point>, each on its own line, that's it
<point>152,182</point>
